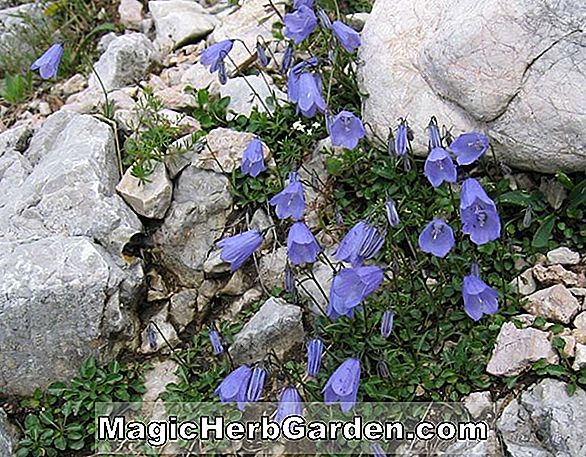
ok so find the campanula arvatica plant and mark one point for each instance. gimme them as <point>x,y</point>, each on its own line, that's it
<point>290,404</point>
<point>433,134</point>
<point>439,167</point>
<point>216,342</point>
<point>302,247</point>
<point>348,38</point>
<point>290,202</point>
<point>392,213</point>
<point>469,147</point>
<point>386,324</point>
<point>253,161</point>
<point>324,19</point>
<point>479,215</point>
<point>377,450</point>
<point>300,24</point>
<point>362,239</point>
<point>402,138</point>
<point>345,130</point>
<point>350,287</point>
<point>479,297</point>
<point>48,63</point>
<point>298,3</point>
<point>315,349</point>
<point>342,387</point>
<point>236,249</point>
<point>294,75</point>
<point>308,95</point>
<point>234,387</point>
<point>437,238</point>
<point>214,55</point>
<point>256,384</point>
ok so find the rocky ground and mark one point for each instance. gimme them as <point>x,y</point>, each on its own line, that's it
<point>94,263</point>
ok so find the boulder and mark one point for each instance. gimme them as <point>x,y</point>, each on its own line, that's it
<point>130,12</point>
<point>127,60</point>
<point>275,327</point>
<point>194,222</point>
<point>554,303</point>
<point>7,436</point>
<point>545,422</point>
<point>511,70</point>
<point>251,92</point>
<point>517,349</point>
<point>563,256</point>
<point>66,291</point>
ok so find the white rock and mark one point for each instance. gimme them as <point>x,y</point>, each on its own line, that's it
<point>563,256</point>
<point>580,321</point>
<point>554,303</point>
<point>130,12</point>
<point>243,98</point>
<point>509,69</point>
<point>580,357</point>
<point>199,77</point>
<point>517,349</point>
<point>180,21</point>
<point>127,59</point>
<point>276,326</point>
<point>524,284</point>
<point>479,403</point>
<point>224,150</point>
<point>272,268</point>
<point>151,198</point>
<point>182,308</point>
<point>555,274</point>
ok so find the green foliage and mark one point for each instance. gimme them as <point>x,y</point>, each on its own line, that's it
<point>62,419</point>
<point>14,89</point>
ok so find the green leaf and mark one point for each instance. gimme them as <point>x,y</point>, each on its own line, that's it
<point>517,198</point>
<point>543,233</point>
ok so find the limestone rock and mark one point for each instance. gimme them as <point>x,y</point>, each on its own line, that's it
<point>7,437</point>
<point>317,288</point>
<point>272,268</point>
<point>580,321</point>
<point>238,283</point>
<point>127,60</point>
<point>555,274</point>
<point>524,284</point>
<point>479,404</point>
<point>130,12</point>
<point>158,378</point>
<point>563,256</point>
<point>159,335</point>
<point>182,308</point>
<point>516,349</point>
<point>150,198</point>
<point>508,69</point>
<point>554,303</point>
<point>179,22</point>
<point>276,326</point>
<point>214,264</point>
<point>248,298</point>
<point>224,150</point>
<point>580,357</point>
<point>194,222</point>
<point>545,422</point>
<point>243,99</point>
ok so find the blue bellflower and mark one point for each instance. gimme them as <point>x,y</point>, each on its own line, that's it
<point>348,38</point>
<point>439,167</point>
<point>346,130</point>
<point>437,238</point>
<point>350,287</point>
<point>479,297</point>
<point>386,324</point>
<point>236,249</point>
<point>391,212</point>
<point>402,139</point>
<point>309,97</point>
<point>290,404</point>
<point>315,349</point>
<point>299,3</point>
<point>433,133</point>
<point>469,147</point>
<point>290,202</point>
<point>289,280</point>
<point>300,24</point>
<point>256,384</point>
<point>479,215</point>
<point>362,242</point>
<point>294,75</point>
<point>324,19</point>
<point>253,161</point>
<point>216,342</point>
<point>287,58</point>
<point>234,386</point>
<point>342,387</point>
<point>48,63</point>
<point>214,55</point>
<point>377,450</point>
<point>302,247</point>
<point>261,54</point>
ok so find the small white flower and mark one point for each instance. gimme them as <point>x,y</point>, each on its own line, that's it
<point>316,125</point>
<point>298,125</point>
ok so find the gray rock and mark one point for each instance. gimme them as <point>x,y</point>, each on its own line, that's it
<point>179,22</point>
<point>276,326</point>
<point>223,153</point>
<point>67,293</point>
<point>159,335</point>
<point>194,222</point>
<point>554,191</point>
<point>524,284</point>
<point>272,268</point>
<point>580,321</point>
<point>580,357</point>
<point>317,287</point>
<point>479,404</point>
<point>554,303</point>
<point>181,154</point>
<point>151,198</point>
<point>563,256</point>
<point>243,99</point>
<point>127,60</point>
<point>517,349</point>
<point>182,308</point>
<point>130,12</point>
<point>238,283</point>
<point>555,274</point>
<point>491,447</point>
<point>545,422</point>
<point>7,436</point>
<point>214,264</point>
<point>62,300</point>
<point>16,138</point>
<point>509,69</point>
<point>248,298</point>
